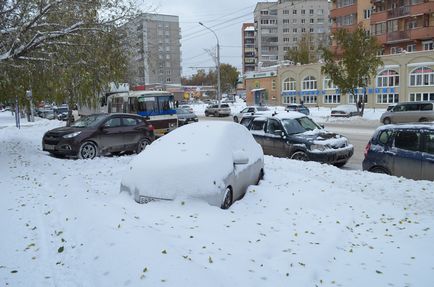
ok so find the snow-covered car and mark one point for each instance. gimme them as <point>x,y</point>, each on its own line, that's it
<point>185,117</point>
<point>222,110</point>
<point>249,111</point>
<point>212,161</point>
<point>296,136</point>
<point>187,107</point>
<point>298,108</point>
<point>345,111</point>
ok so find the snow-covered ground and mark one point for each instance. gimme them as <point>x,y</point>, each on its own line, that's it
<point>64,223</point>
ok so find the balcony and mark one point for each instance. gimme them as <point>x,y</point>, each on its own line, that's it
<point>398,36</point>
<point>422,33</point>
<point>347,10</point>
<point>402,11</point>
<point>422,8</point>
<point>378,17</point>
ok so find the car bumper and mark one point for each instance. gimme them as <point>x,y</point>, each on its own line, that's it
<point>334,156</point>
<point>63,147</point>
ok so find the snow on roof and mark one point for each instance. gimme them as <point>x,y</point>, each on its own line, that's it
<point>251,28</point>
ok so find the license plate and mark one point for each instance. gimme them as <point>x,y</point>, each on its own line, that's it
<point>144,199</point>
<point>49,147</point>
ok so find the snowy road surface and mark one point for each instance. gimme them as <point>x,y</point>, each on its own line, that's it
<point>64,223</point>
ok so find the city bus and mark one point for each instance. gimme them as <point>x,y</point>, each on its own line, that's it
<point>158,107</point>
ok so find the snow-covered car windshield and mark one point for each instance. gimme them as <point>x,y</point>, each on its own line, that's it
<point>300,125</point>
<point>88,121</point>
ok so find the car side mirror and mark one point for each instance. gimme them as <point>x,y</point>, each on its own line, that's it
<point>240,157</point>
<point>279,133</point>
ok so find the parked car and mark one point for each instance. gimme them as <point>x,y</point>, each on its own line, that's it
<point>185,117</point>
<point>47,114</point>
<point>99,134</point>
<point>248,111</point>
<point>409,112</point>
<point>178,165</point>
<point>402,150</point>
<point>296,136</point>
<point>345,111</point>
<point>222,110</point>
<point>186,107</point>
<point>298,108</point>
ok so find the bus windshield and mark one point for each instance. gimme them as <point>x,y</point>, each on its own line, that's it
<point>149,105</point>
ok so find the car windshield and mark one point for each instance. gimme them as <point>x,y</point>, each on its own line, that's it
<point>300,125</point>
<point>88,121</point>
<point>182,111</point>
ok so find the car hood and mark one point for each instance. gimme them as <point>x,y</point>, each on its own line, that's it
<point>323,137</point>
<point>63,131</point>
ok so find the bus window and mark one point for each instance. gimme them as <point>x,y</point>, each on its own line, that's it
<point>147,106</point>
<point>133,105</point>
<point>167,105</point>
<point>117,105</point>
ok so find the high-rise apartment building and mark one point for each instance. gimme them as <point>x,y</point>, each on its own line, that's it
<point>154,51</point>
<point>248,47</point>
<point>403,25</point>
<point>280,26</point>
<point>348,14</point>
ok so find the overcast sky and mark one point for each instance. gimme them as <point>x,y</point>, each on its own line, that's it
<point>225,17</point>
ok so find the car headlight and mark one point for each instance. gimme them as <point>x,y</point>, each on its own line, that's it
<point>319,147</point>
<point>68,136</point>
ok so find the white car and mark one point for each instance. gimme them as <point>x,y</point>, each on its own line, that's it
<point>186,107</point>
<point>212,161</point>
<point>248,111</point>
<point>344,111</point>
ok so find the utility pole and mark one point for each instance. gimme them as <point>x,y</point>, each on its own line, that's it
<point>218,63</point>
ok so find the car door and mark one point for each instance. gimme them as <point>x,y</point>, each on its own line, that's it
<point>257,128</point>
<point>428,156</point>
<point>408,158</point>
<point>132,132</point>
<point>275,141</point>
<point>111,136</point>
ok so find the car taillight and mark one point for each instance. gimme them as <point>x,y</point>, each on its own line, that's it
<point>367,148</point>
<point>151,128</point>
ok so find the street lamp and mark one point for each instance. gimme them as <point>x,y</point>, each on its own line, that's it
<point>218,62</point>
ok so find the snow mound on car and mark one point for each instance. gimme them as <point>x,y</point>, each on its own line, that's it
<point>192,160</point>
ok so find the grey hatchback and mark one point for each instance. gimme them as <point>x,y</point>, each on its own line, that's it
<point>402,150</point>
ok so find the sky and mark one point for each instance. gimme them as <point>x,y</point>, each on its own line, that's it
<point>225,17</point>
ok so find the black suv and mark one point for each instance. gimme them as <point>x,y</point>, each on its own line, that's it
<point>98,134</point>
<point>402,150</point>
<point>296,136</point>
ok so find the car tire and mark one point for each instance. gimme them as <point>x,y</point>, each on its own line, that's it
<point>340,164</point>
<point>423,120</point>
<point>143,143</point>
<point>379,169</point>
<point>216,114</point>
<point>88,150</point>
<point>300,155</point>
<point>227,199</point>
<point>206,114</point>
<point>236,119</point>
<point>387,121</point>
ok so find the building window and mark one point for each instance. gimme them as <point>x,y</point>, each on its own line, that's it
<point>264,12</point>
<point>303,21</point>
<point>320,11</point>
<point>310,11</point>
<point>357,98</point>
<point>428,45</point>
<point>303,30</point>
<point>309,99</point>
<point>294,30</point>
<point>411,48</point>
<point>311,21</point>
<point>422,76</point>
<point>289,100</point>
<point>387,98</point>
<point>309,83</point>
<point>311,30</point>
<point>388,78</point>
<point>286,21</point>
<point>294,12</point>
<point>294,21</point>
<point>329,85</point>
<point>332,99</point>
<point>285,12</point>
<point>303,11</point>
<point>417,97</point>
<point>286,30</point>
<point>395,50</point>
<point>367,13</point>
<point>289,84</point>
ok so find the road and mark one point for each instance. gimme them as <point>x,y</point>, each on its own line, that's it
<point>357,132</point>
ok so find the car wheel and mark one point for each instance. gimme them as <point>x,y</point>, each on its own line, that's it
<point>378,169</point>
<point>299,155</point>
<point>422,120</point>
<point>206,114</point>
<point>143,143</point>
<point>340,164</point>
<point>236,119</point>
<point>227,199</point>
<point>88,150</point>
<point>216,114</point>
<point>386,121</point>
